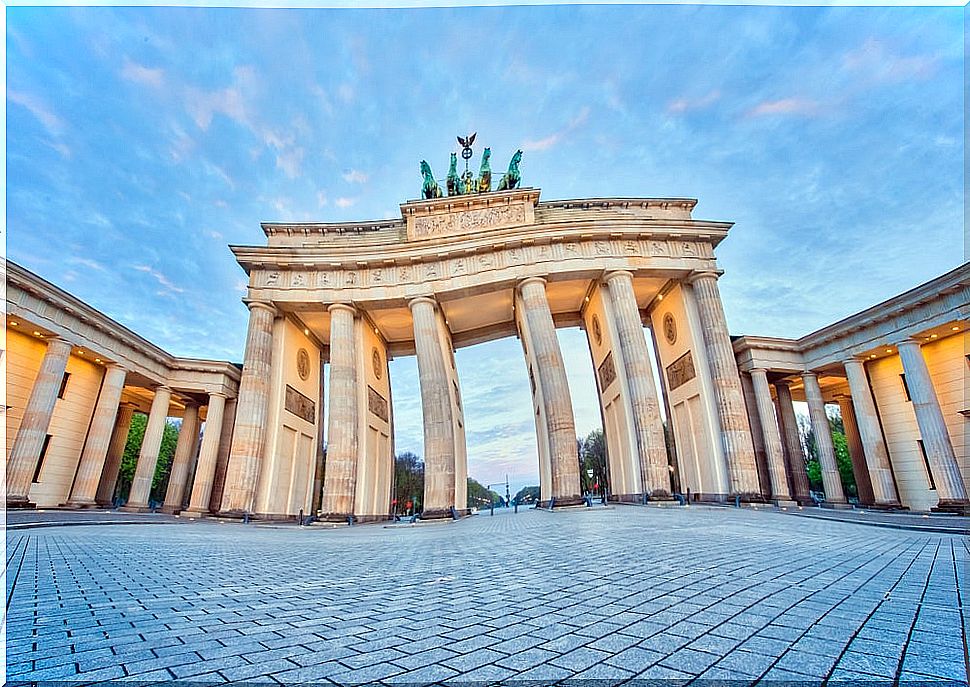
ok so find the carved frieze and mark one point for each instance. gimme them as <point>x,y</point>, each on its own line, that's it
<point>468,221</point>
<point>298,404</point>
<point>606,371</point>
<point>377,404</point>
<point>680,371</point>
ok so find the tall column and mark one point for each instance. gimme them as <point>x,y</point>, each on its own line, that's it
<point>793,443</point>
<point>643,390</point>
<point>439,431</point>
<point>932,428</point>
<point>246,453</point>
<point>141,484</point>
<point>757,435</point>
<point>208,455</point>
<point>735,433</point>
<point>116,451</point>
<point>870,433</point>
<point>860,470</point>
<point>340,479</point>
<point>769,428</point>
<point>25,453</point>
<point>551,371</point>
<point>831,481</point>
<point>182,460</point>
<point>90,467</point>
<point>318,463</point>
<point>222,461</point>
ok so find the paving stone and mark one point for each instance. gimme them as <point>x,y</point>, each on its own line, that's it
<point>689,661</point>
<point>635,659</point>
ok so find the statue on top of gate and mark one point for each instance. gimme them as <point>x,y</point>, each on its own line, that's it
<point>467,183</point>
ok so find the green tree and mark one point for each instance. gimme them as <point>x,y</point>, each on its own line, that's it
<point>527,495</point>
<point>408,482</point>
<point>480,497</point>
<point>136,435</point>
<point>592,458</point>
<point>842,457</point>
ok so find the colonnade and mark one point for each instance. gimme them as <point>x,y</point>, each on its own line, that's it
<point>871,462</point>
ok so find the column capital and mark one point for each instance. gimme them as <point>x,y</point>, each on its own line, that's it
<point>759,371</point>
<point>808,374</point>
<point>269,307</point>
<point>342,306</point>
<point>702,274</point>
<point>613,274</point>
<point>162,387</point>
<point>220,394</point>
<point>422,299</point>
<point>530,280</point>
<point>116,366</point>
<point>782,383</point>
<point>909,341</point>
<point>855,359</point>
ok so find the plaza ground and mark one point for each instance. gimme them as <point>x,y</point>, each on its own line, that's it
<point>606,594</point>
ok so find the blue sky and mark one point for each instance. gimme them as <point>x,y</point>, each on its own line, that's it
<point>142,141</point>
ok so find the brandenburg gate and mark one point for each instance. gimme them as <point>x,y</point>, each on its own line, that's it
<point>466,267</point>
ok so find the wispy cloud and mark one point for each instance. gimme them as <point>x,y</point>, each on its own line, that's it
<point>875,61</point>
<point>140,74</point>
<point>354,176</point>
<point>805,107</point>
<point>685,104</point>
<point>160,278</point>
<point>344,202</point>
<point>321,198</point>
<point>290,162</point>
<point>41,111</point>
<point>554,139</point>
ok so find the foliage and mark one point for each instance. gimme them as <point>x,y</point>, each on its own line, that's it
<point>136,435</point>
<point>408,482</point>
<point>842,457</point>
<point>526,495</point>
<point>592,457</point>
<point>479,496</point>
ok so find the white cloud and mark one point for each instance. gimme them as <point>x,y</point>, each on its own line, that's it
<point>161,278</point>
<point>290,162</point>
<point>344,202</point>
<point>875,61</point>
<point>554,139</point>
<point>786,106</point>
<point>37,107</point>
<point>681,105</point>
<point>354,176</point>
<point>321,198</point>
<point>146,76</point>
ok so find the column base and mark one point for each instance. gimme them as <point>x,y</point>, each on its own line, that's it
<point>884,506</point>
<point>563,502</point>
<point>170,510</point>
<point>80,505</point>
<point>436,514</point>
<point>20,504</point>
<point>195,513</point>
<point>785,503</point>
<point>136,509</point>
<point>952,507</point>
<point>336,517</point>
<point>836,506</point>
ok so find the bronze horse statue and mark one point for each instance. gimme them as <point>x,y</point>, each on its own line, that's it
<point>511,178</point>
<point>430,188</point>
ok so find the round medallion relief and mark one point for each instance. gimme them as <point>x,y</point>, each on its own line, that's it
<point>375,357</point>
<point>597,331</point>
<point>303,363</point>
<point>670,329</point>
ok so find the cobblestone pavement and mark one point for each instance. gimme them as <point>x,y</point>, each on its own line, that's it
<point>604,595</point>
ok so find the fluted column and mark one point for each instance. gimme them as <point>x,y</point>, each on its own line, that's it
<point>735,433</point>
<point>831,481</point>
<point>551,371</point>
<point>860,470</point>
<point>340,478</point>
<point>27,445</point>
<point>772,436</point>
<point>439,431</point>
<point>870,433</point>
<point>222,459</point>
<point>643,390</point>
<point>950,487</point>
<point>141,484</point>
<point>249,436</point>
<point>208,454</point>
<point>181,462</point>
<point>793,443</point>
<point>116,451</point>
<point>91,466</point>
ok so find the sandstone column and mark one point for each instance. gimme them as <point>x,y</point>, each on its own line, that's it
<point>439,431</point>
<point>643,391</point>
<point>793,443</point>
<point>831,481</point>
<point>141,484</point>
<point>340,479</point>
<point>116,451</point>
<point>873,445</point>
<point>208,455</point>
<point>735,433</point>
<point>246,453</point>
<point>91,466</point>
<point>25,453</point>
<point>757,435</point>
<point>857,453</point>
<point>181,462</point>
<point>769,427</point>
<point>551,372</point>
<point>932,428</point>
<point>222,461</point>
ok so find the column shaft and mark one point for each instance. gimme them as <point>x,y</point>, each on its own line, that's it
<point>222,461</point>
<point>340,478</point>
<point>769,428</point>
<point>932,427</point>
<point>182,461</point>
<point>860,470</point>
<point>208,455</point>
<point>831,481</point>
<point>793,443</point>
<point>27,445</point>
<point>870,433</point>
<point>439,431</point>
<point>246,453</point>
<point>551,372</point>
<point>116,451</point>
<point>91,466</point>
<point>757,434</point>
<point>643,390</point>
<point>141,484</point>
<point>735,433</point>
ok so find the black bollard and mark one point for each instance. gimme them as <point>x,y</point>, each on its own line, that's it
<point>737,501</point>
<point>246,518</point>
<point>350,520</point>
<point>301,517</point>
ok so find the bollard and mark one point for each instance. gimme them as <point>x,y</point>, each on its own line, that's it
<point>688,494</point>
<point>516,506</point>
<point>491,507</point>
<point>454,513</point>
<point>246,518</point>
<point>350,520</point>
<point>737,501</point>
<point>301,517</point>
<point>552,503</point>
